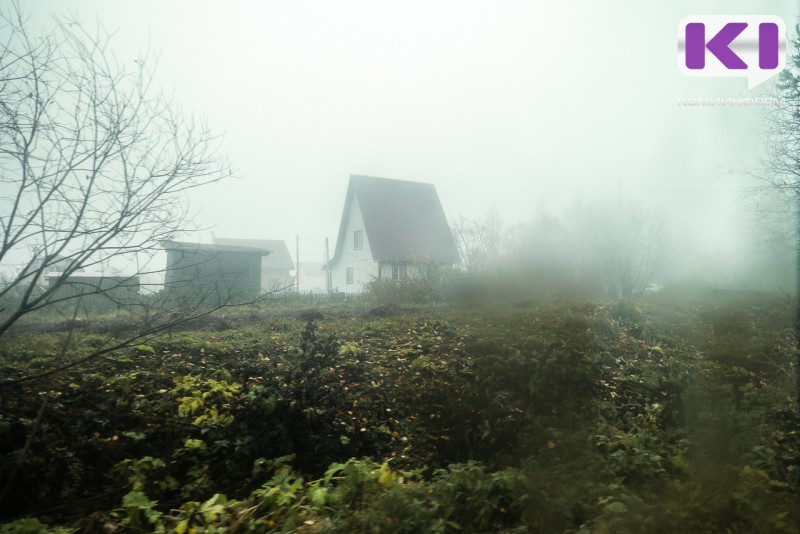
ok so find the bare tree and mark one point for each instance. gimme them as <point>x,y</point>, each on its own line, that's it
<point>93,169</point>
<point>616,250</point>
<point>543,244</point>
<point>780,176</point>
<point>781,169</point>
<point>478,240</point>
<point>625,246</point>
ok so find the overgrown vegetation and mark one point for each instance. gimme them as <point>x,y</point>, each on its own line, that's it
<point>658,415</point>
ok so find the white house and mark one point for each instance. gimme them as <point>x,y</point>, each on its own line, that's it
<point>312,277</point>
<point>389,229</point>
<point>274,268</point>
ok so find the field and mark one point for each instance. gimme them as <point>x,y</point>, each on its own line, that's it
<point>674,413</point>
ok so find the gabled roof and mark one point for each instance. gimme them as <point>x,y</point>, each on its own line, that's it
<point>279,257</point>
<point>203,248</point>
<point>404,221</point>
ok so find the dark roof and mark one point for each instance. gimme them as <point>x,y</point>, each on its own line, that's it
<point>279,257</point>
<point>202,247</point>
<point>404,221</point>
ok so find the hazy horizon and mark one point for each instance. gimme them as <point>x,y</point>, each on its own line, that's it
<point>501,106</point>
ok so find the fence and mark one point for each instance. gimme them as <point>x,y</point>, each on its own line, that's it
<point>312,297</point>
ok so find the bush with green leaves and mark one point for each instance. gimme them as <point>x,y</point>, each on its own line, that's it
<point>556,417</point>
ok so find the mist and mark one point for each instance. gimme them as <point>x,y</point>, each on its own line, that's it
<point>501,108</point>
<point>363,266</point>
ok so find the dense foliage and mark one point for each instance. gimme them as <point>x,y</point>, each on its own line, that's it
<point>662,415</point>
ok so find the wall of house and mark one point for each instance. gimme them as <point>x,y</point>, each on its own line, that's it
<point>284,280</point>
<point>364,268</point>
<point>220,272</point>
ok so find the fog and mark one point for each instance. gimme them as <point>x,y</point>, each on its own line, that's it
<point>503,106</point>
<point>615,352</point>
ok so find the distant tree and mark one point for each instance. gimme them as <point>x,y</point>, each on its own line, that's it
<point>478,240</point>
<point>544,243</point>
<point>599,249</point>
<point>781,170</point>
<point>624,246</point>
<point>781,166</point>
<point>93,170</point>
<point>540,254</point>
<point>587,251</point>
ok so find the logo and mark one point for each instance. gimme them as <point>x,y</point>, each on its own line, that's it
<point>746,46</point>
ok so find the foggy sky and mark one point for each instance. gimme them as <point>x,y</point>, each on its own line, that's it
<point>500,104</point>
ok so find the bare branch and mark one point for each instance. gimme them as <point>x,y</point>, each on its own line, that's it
<point>93,172</point>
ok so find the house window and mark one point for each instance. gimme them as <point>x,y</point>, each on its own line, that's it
<point>358,239</point>
<point>274,284</point>
<point>398,272</point>
<point>349,275</point>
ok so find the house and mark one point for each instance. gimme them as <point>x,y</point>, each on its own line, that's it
<point>274,268</point>
<point>312,277</point>
<point>216,271</point>
<point>390,229</point>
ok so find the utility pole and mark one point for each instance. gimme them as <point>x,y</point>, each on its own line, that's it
<point>297,265</point>
<point>327,268</point>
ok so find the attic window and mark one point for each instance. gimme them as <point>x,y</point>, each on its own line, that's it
<point>358,239</point>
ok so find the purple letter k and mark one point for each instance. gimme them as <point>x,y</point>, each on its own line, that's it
<point>718,45</point>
